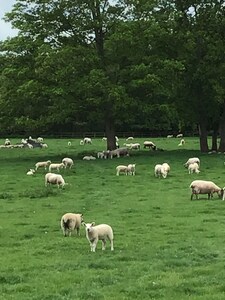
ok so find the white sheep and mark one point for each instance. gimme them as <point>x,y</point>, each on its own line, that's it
<point>69,143</point>
<point>99,232</point>
<point>169,136</point>
<point>100,155</point>
<point>121,169</point>
<point>70,222</point>
<point>182,142</point>
<point>179,135</point>
<point>150,145</point>
<point>44,145</point>
<point>131,169</point>
<point>130,138</point>
<point>89,157</point>
<point>52,178</point>
<point>81,142</point>
<point>104,138</point>
<point>40,140</point>
<point>68,162</point>
<point>44,164</point>
<point>135,146</point>
<point>87,140</point>
<point>205,187</point>
<point>31,172</point>
<point>160,171</point>
<point>191,161</point>
<point>56,166</point>
<point>7,142</point>
<point>117,139</point>
<point>193,168</point>
<point>166,167</point>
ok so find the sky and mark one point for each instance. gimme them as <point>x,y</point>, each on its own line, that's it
<point>5,28</point>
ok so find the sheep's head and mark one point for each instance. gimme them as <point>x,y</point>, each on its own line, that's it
<point>88,226</point>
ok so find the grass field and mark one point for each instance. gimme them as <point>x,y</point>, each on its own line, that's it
<point>166,246</point>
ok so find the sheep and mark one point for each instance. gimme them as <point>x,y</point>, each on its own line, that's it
<point>205,187</point>
<point>119,152</point>
<point>69,143</point>
<point>68,162</point>
<point>87,140</point>
<point>90,157</point>
<point>135,146</point>
<point>160,170</point>
<point>31,172</point>
<point>7,142</point>
<point>56,166</point>
<point>191,161</point>
<point>52,178</point>
<point>179,135</point>
<point>169,136</point>
<point>99,232</point>
<point>121,169</point>
<point>100,155</point>
<point>104,138</point>
<point>131,169</point>
<point>81,142</point>
<point>40,140</point>
<point>117,139</point>
<point>44,164</point>
<point>150,145</point>
<point>166,167</point>
<point>182,142</point>
<point>193,168</point>
<point>70,222</point>
<point>130,138</point>
<point>44,145</point>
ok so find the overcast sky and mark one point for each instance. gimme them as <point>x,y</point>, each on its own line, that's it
<point>5,28</point>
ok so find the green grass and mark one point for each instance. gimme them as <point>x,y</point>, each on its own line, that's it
<point>166,246</point>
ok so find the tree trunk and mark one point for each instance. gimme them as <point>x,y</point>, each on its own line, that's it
<point>214,139</point>
<point>110,134</point>
<point>203,137</point>
<point>222,131</point>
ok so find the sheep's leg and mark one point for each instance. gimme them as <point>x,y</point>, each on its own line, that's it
<point>111,243</point>
<point>94,244</point>
<point>78,231</point>
<point>103,244</point>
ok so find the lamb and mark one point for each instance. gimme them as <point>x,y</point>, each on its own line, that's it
<point>70,222</point>
<point>119,152</point>
<point>169,136</point>
<point>193,168</point>
<point>150,145</point>
<point>81,142</point>
<point>100,155</point>
<point>69,143</point>
<point>130,138</point>
<point>161,170</point>
<point>31,172</point>
<point>104,138</point>
<point>90,157</point>
<point>7,142</point>
<point>44,164</point>
<point>68,162</point>
<point>44,145</point>
<point>52,178</point>
<point>135,146</point>
<point>40,140</point>
<point>121,169</point>
<point>191,161</point>
<point>205,187</point>
<point>99,232</point>
<point>166,167</point>
<point>179,135</point>
<point>182,142</point>
<point>87,140</point>
<point>56,166</point>
<point>131,169</point>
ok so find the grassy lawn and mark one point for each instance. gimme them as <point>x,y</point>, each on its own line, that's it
<point>166,246</point>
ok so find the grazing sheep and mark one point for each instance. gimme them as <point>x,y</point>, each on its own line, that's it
<point>44,164</point>
<point>70,222</point>
<point>7,142</point>
<point>90,157</point>
<point>160,171</point>
<point>52,178</point>
<point>150,145</point>
<point>179,135</point>
<point>68,162</point>
<point>182,142</point>
<point>193,168</point>
<point>130,138</point>
<point>99,232</point>
<point>31,172</point>
<point>40,140</point>
<point>87,140</point>
<point>205,187</point>
<point>169,136</point>
<point>191,161</point>
<point>135,146</point>
<point>121,169</point>
<point>44,145</point>
<point>56,166</point>
<point>104,138</point>
<point>119,152</point>
<point>131,169</point>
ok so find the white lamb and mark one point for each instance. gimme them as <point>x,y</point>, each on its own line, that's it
<point>69,143</point>
<point>166,167</point>
<point>52,178</point>
<point>131,169</point>
<point>87,140</point>
<point>89,157</point>
<point>44,164</point>
<point>57,166</point>
<point>182,142</point>
<point>104,138</point>
<point>68,162</point>
<point>179,135</point>
<point>193,168</point>
<point>169,136</point>
<point>40,140</point>
<point>121,169</point>
<point>191,161</point>
<point>205,187</point>
<point>70,222</point>
<point>160,171</point>
<point>100,155</point>
<point>81,142</point>
<point>99,232</point>
<point>31,172</point>
<point>130,138</point>
<point>135,146</point>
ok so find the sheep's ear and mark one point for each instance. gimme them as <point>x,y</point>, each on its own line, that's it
<point>93,224</point>
<point>81,215</point>
<point>84,224</point>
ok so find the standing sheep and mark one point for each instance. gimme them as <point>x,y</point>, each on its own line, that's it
<point>205,187</point>
<point>99,232</point>
<point>191,161</point>
<point>44,164</point>
<point>52,178</point>
<point>68,162</point>
<point>121,169</point>
<point>131,169</point>
<point>193,168</point>
<point>56,166</point>
<point>161,170</point>
<point>70,222</point>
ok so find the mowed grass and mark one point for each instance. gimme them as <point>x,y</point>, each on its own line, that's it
<point>166,246</point>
